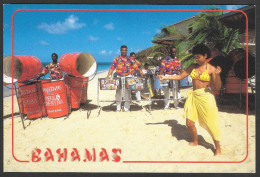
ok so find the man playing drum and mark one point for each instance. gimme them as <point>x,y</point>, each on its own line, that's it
<point>171,66</point>
<point>136,62</point>
<point>53,69</point>
<point>124,68</point>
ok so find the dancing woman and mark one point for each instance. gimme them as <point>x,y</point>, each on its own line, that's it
<point>200,105</point>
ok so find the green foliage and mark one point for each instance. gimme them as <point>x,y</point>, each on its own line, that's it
<point>209,30</point>
<point>206,29</point>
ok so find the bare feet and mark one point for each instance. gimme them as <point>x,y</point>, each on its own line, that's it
<point>217,152</point>
<point>193,143</point>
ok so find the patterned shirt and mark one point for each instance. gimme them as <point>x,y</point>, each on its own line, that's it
<point>171,66</point>
<point>137,64</point>
<point>54,71</point>
<point>124,66</point>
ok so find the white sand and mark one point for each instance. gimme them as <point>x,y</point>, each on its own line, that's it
<point>159,136</point>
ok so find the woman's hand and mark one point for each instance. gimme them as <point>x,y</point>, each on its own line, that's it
<point>218,70</point>
<point>161,77</point>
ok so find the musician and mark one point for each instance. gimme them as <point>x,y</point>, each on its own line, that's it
<point>171,66</point>
<point>136,73</point>
<point>124,68</point>
<point>53,69</point>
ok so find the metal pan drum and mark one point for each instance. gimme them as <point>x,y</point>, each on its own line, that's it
<point>160,84</point>
<point>135,83</point>
<point>108,84</point>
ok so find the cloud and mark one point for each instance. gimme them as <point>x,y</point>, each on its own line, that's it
<point>43,43</point>
<point>92,38</point>
<point>234,7</point>
<point>109,26</point>
<point>6,25</point>
<point>158,30</point>
<point>146,32</point>
<point>138,50</point>
<point>95,22</point>
<point>103,52</point>
<point>70,23</point>
<point>118,52</point>
<point>119,39</point>
<point>110,52</point>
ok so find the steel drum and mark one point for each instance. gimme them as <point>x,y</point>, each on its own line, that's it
<point>135,83</point>
<point>160,84</point>
<point>109,84</point>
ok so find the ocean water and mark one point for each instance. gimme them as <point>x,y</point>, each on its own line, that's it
<point>101,67</point>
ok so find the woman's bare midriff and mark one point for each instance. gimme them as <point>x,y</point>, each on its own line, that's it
<point>197,84</point>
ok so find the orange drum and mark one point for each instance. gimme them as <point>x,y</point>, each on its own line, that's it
<point>24,68</point>
<point>78,64</point>
<point>76,85</point>
<point>233,84</point>
<point>30,100</point>
<point>84,96</point>
<point>55,98</point>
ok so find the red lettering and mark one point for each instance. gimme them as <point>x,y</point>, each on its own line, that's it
<point>48,155</point>
<point>62,155</point>
<point>35,157</point>
<point>116,158</point>
<point>75,154</point>
<point>103,155</point>
<point>89,156</point>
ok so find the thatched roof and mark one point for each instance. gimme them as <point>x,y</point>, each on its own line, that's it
<point>169,40</point>
<point>142,55</point>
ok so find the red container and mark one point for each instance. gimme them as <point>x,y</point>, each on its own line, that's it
<point>78,64</point>
<point>30,100</point>
<point>84,96</point>
<point>75,85</point>
<point>55,98</point>
<point>24,67</point>
<point>234,85</point>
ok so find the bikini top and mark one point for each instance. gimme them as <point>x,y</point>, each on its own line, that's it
<point>202,77</point>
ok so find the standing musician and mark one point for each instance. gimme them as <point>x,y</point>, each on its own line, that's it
<point>124,68</point>
<point>171,66</point>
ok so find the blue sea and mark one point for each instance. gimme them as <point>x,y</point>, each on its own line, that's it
<point>101,67</point>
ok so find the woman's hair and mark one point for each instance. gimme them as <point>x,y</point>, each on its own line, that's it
<point>201,49</point>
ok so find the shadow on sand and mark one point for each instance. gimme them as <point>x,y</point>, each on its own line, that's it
<point>181,132</point>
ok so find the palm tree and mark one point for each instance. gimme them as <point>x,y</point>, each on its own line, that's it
<point>208,29</point>
<point>160,51</point>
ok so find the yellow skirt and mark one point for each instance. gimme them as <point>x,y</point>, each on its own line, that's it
<point>200,106</point>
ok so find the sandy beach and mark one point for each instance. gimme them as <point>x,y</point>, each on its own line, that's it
<point>136,141</point>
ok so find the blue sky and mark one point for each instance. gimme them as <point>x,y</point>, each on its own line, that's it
<point>40,33</point>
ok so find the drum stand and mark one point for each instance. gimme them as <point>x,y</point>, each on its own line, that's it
<point>123,98</point>
<point>22,106</point>
<point>21,114</point>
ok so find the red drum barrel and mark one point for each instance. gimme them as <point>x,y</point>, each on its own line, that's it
<point>55,98</point>
<point>237,58</point>
<point>84,96</point>
<point>233,84</point>
<point>76,85</point>
<point>24,68</point>
<point>78,64</point>
<point>30,100</point>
